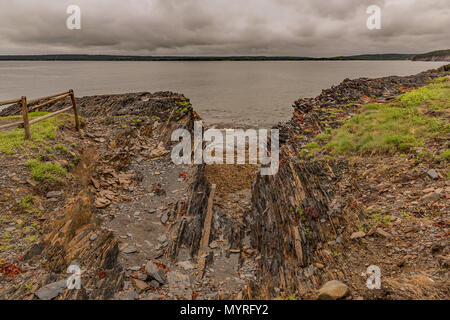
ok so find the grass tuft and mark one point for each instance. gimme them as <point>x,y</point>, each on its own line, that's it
<point>11,140</point>
<point>446,154</point>
<point>27,205</point>
<point>46,171</point>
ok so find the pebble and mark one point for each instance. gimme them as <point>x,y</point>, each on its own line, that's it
<point>135,268</point>
<point>142,276</point>
<point>93,237</point>
<point>139,285</point>
<point>382,233</point>
<point>433,196</point>
<point>54,194</point>
<point>130,249</point>
<point>160,276</point>
<point>333,290</point>
<point>153,271</point>
<point>357,235</point>
<point>433,174</point>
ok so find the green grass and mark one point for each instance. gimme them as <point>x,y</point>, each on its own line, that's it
<point>435,95</point>
<point>31,239</point>
<point>401,126</point>
<point>441,79</point>
<point>61,148</point>
<point>12,140</point>
<point>309,149</point>
<point>446,154</point>
<point>27,205</point>
<point>46,171</point>
<point>377,217</point>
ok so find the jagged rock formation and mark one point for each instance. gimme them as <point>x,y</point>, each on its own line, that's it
<point>189,217</point>
<point>296,212</point>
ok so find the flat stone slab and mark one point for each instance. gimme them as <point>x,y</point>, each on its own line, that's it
<point>51,290</point>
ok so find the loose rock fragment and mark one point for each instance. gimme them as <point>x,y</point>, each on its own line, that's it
<point>333,290</point>
<point>357,235</point>
<point>130,249</point>
<point>433,174</point>
<point>51,290</point>
<point>139,285</point>
<point>382,233</point>
<point>54,194</point>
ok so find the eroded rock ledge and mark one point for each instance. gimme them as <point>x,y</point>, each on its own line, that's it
<point>297,212</point>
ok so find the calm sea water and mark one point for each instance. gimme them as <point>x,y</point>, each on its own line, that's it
<point>258,93</point>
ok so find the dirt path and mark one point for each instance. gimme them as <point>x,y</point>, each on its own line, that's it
<point>142,227</point>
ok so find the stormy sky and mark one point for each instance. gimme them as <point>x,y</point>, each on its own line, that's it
<point>224,27</point>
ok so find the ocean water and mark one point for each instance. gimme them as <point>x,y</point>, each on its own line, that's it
<point>225,93</point>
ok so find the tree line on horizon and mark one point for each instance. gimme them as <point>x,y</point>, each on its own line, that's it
<point>87,57</point>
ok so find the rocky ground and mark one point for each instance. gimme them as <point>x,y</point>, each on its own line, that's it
<point>113,211</point>
<point>134,222</point>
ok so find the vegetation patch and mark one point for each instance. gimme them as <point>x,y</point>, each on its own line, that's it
<point>403,125</point>
<point>27,205</point>
<point>61,148</point>
<point>46,170</point>
<point>183,107</point>
<point>12,140</point>
<point>309,150</point>
<point>435,96</point>
<point>446,154</point>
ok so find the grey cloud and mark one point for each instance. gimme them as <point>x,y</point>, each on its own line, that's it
<point>223,27</point>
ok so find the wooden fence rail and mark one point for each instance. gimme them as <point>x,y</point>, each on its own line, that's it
<point>3,103</point>
<point>26,109</point>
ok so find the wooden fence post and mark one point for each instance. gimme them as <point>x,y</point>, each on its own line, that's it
<point>26,123</point>
<point>75,110</point>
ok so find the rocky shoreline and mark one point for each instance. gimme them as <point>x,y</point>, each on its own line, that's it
<point>299,256</point>
<point>133,221</point>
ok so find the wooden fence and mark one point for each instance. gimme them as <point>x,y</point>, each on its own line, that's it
<point>31,106</point>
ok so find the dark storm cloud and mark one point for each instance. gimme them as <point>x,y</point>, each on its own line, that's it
<point>223,27</point>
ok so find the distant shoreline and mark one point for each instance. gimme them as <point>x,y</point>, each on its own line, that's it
<point>83,57</point>
<point>440,55</point>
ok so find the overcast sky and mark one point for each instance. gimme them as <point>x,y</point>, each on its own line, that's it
<point>224,27</point>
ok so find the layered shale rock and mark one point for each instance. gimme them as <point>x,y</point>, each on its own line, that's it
<point>297,213</point>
